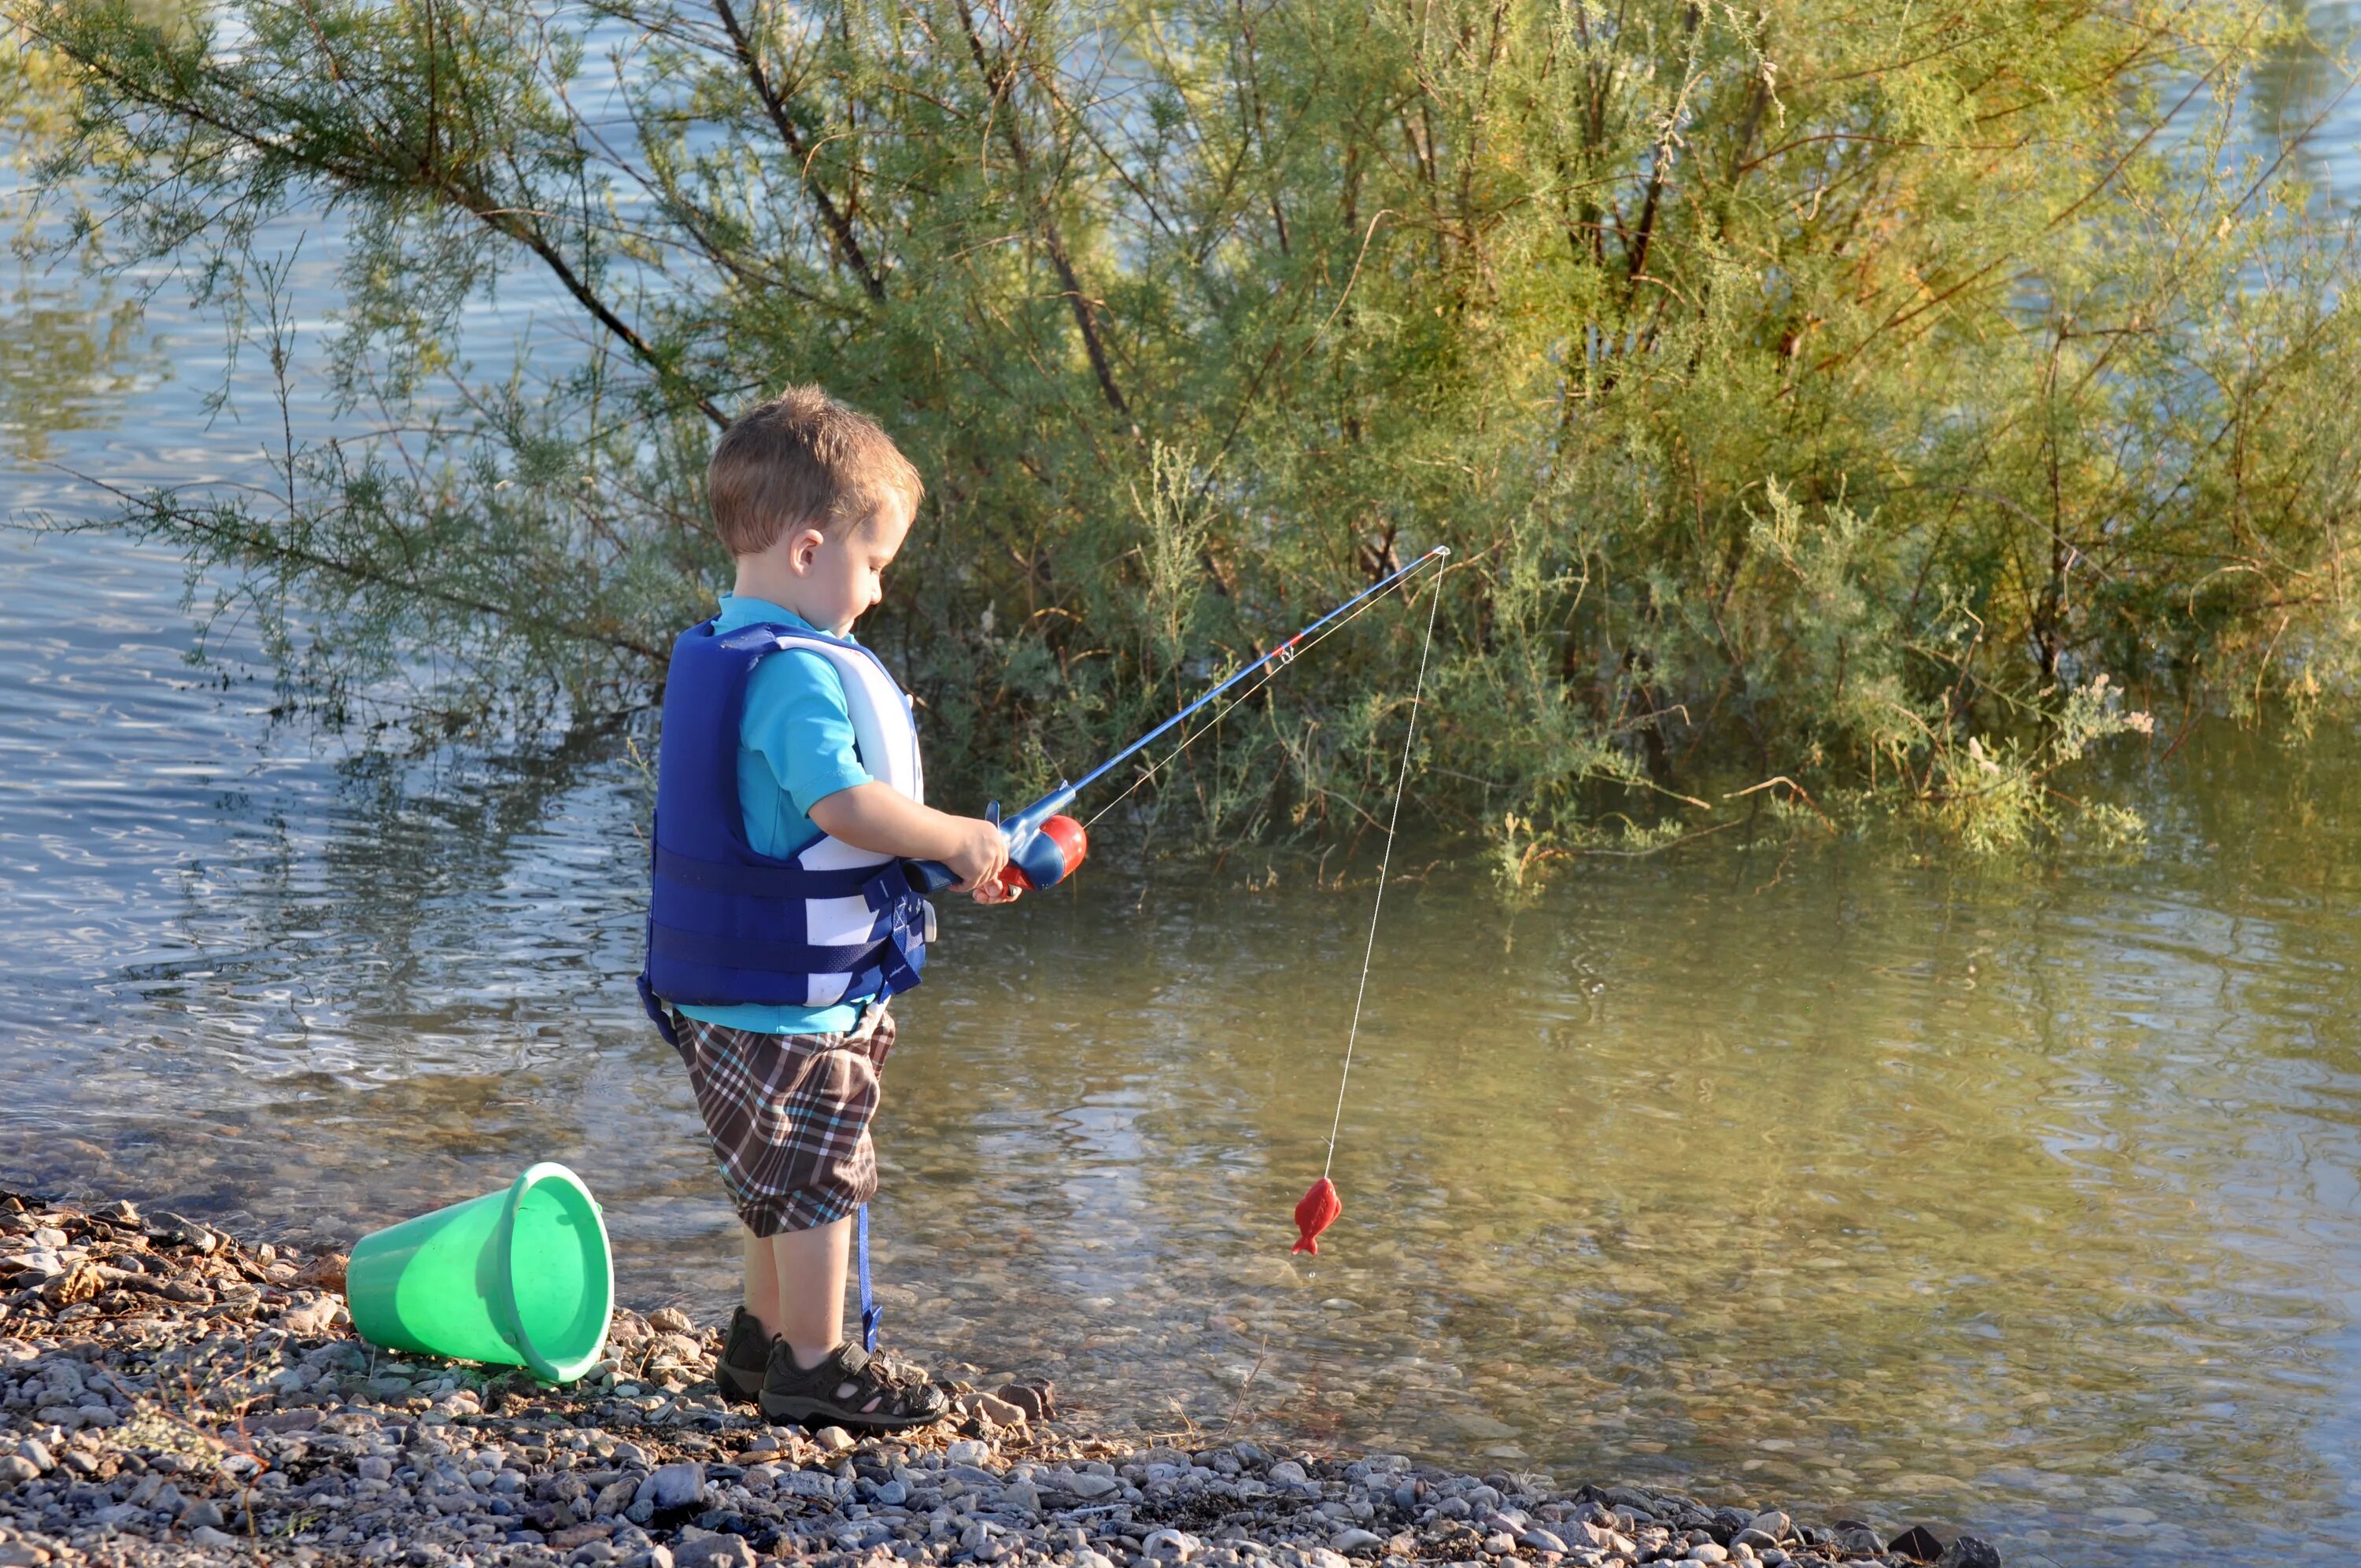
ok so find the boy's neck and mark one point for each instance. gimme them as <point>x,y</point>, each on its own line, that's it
<point>775,586</point>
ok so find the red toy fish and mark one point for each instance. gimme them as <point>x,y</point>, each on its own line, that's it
<point>1316,1213</point>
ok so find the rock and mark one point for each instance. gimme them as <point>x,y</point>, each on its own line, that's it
<point>1036,1398</point>
<point>1970,1551</point>
<point>38,1452</point>
<point>968,1451</point>
<point>817,1485</point>
<point>1499,1543</point>
<point>200,1514</point>
<point>325,1272</point>
<point>1287,1473</point>
<point>16,1470</point>
<point>1774,1523</point>
<point>1918,1543</point>
<point>177,1230</point>
<point>1539,1541</point>
<point>1580,1534</point>
<point>1750,1537</point>
<point>1090,1488</point>
<point>1856,1537</point>
<point>312,1320</point>
<point>670,1320</point>
<point>1000,1413</point>
<point>284,1421</point>
<point>614,1498</point>
<point>1020,1496</point>
<point>714,1552</point>
<point>208,1535</point>
<point>672,1486</point>
<point>23,1554</point>
<point>835,1440</point>
<point>1357,1543</point>
<point>1170,1546</point>
<point>1706,1552</point>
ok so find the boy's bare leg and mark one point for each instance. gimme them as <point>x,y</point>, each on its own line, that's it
<point>762,1296</point>
<point>795,1287</point>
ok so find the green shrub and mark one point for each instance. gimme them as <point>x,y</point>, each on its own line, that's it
<point>1810,391</point>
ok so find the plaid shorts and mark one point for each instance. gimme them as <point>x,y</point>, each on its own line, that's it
<point>789,1117</point>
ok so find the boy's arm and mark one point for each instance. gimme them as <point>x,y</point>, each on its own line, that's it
<point>882,820</point>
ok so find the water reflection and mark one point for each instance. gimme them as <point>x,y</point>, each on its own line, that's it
<point>71,358</point>
<point>2299,84</point>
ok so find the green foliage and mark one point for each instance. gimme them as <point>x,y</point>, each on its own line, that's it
<point>1817,392</point>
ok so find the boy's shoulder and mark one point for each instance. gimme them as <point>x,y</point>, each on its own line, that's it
<point>795,667</point>
<point>796,675</point>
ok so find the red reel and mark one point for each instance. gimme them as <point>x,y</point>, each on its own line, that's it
<point>1073,843</point>
<point>1073,846</point>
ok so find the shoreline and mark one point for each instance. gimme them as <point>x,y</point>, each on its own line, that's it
<point>169,1396</point>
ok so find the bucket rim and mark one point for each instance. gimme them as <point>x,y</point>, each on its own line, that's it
<point>536,1358</point>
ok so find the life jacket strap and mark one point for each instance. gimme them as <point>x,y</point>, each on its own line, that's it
<point>784,880</point>
<point>657,1011</point>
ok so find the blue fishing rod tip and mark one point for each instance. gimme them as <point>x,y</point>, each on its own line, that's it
<point>1440,550</point>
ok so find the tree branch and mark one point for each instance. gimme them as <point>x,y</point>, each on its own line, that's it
<point>839,227</point>
<point>997,80</point>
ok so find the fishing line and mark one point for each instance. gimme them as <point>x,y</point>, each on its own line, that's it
<point>1401,780</point>
<point>1274,662</point>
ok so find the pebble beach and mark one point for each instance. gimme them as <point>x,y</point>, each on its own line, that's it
<point>172,1396</point>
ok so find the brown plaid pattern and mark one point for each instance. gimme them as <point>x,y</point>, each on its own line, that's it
<point>789,1117</point>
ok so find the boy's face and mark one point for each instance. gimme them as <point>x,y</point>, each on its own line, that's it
<point>842,570</point>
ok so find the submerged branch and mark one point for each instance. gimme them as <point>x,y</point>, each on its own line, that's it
<point>228,535</point>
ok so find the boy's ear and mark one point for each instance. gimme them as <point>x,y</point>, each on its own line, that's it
<point>802,545</point>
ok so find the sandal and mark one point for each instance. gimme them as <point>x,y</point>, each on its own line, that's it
<point>745,1357</point>
<point>850,1388</point>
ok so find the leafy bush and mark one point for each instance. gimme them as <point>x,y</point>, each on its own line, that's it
<point>1809,391</point>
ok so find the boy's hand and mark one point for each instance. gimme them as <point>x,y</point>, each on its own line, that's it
<point>978,859</point>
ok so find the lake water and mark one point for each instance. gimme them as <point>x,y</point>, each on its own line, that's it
<point>2022,1200</point>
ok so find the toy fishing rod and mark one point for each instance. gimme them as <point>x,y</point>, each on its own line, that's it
<point>1045,846</point>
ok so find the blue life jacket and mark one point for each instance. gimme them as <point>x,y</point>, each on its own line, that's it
<point>728,925</point>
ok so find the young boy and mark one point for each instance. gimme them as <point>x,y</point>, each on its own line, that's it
<point>789,794</point>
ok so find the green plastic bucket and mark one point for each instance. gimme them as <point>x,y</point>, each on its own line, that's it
<point>518,1278</point>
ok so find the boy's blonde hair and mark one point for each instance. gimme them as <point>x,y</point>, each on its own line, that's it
<point>801,460</point>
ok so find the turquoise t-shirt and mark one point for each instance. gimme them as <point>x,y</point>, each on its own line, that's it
<point>795,750</point>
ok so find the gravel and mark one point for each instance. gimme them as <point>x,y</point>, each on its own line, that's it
<point>169,1396</point>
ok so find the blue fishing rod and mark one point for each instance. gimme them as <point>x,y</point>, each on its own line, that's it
<point>1045,845</point>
